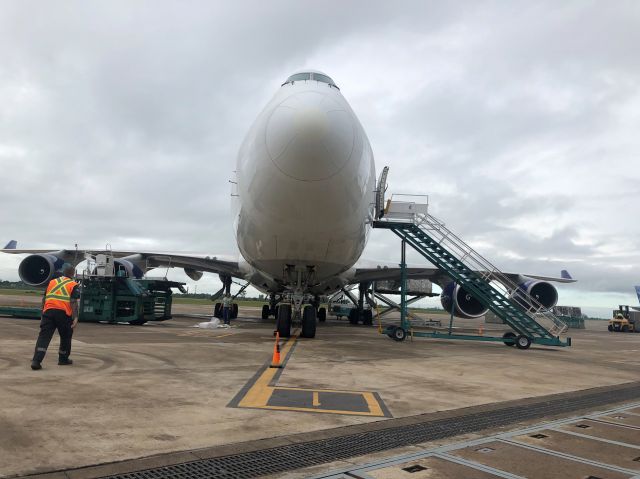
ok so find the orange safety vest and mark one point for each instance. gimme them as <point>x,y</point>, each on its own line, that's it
<point>58,295</point>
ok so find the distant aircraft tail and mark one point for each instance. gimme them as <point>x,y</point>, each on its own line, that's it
<point>638,292</point>
<point>11,245</point>
<point>565,274</point>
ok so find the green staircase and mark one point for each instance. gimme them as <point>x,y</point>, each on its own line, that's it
<point>496,291</point>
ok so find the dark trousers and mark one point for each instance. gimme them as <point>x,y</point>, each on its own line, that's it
<point>225,315</point>
<point>53,319</point>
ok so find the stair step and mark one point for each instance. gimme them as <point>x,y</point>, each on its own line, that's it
<point>477,285</point>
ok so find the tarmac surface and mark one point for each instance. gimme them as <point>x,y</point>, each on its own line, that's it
<point>141,391</point>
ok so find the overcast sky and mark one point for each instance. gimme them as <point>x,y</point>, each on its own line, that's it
<point>120,122</point>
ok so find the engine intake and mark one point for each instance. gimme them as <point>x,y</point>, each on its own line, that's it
<point>544,293</point>
<point>38,269</point>
<point>465,305</point>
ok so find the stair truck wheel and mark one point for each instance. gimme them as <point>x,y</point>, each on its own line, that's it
<point>523,342</point>
<point>217,310</point>
<point>399,334</point>
<point>234,311</point>
<point>610,328</point>
<point>322,315</point>
<point>265,311</point>
<point>367,318</point>
<point>283,322</point>
<point>308,322</point>
<point>509,335</point>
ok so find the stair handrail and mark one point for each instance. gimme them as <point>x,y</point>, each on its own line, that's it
<point>480,265</point>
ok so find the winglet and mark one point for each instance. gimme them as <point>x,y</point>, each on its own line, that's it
<point>11,245</point>
<point>638,292</point>
<point>565,274</point>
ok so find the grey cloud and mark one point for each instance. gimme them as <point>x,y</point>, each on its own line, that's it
<point>133,112</point>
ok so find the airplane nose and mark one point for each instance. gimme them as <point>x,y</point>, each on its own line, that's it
<point>310,136</point>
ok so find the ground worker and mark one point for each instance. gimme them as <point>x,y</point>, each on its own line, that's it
<point>226,309</point>
<point>59,311</point>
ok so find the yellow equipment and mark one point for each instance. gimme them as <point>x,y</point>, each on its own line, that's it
<point>623,322</point>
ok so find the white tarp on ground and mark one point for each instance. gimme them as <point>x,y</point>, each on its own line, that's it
<point>213,324</point>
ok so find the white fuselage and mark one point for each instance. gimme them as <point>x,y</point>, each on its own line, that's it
<point>305,185</point>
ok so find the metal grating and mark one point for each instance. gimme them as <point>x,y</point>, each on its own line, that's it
<point>297,456</point>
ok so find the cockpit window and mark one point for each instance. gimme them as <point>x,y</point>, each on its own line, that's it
<point>311,76</point>
<point>299,77</point>
<point>323,78</point>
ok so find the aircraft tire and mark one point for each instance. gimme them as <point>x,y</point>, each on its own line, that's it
<point>137,322</point>
<point>265,311</point>
<point>308,322</point>
<point>234,311</point>
<point>367,318</point>
<point>283,323</point>
<point>625,329</point>
<point>509,335</point>
<point>217,310</point>
<point>523,342</point>
<point>610,328</point>
<point>322,315</point>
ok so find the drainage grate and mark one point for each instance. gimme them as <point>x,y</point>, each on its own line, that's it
<point>297,456</point>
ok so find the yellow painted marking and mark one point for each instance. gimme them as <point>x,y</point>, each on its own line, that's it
<point>224,335</point>
<point>202,333</point>
<point>324,411</point>
<point>260,392</point>
<point>374,405</point>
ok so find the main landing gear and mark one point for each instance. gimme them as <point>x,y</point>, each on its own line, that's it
<point>359,313</point>
<point>290,310</point>
<point>226,291</point>
<point>308,317</point>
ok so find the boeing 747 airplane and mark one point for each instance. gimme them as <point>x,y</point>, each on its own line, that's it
<point>306,186</point>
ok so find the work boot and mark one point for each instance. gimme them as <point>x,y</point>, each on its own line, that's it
<point>64,362</point>
<point>35,365</point>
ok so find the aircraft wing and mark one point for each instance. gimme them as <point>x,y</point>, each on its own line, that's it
<point>435,275</point>
<point>225,265</point>
<point>393,274</point>
<point>206,263</point>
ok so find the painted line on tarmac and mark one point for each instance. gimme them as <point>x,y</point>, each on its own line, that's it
<point>262,392</point>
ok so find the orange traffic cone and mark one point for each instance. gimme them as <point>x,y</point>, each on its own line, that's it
<point>275,362</point>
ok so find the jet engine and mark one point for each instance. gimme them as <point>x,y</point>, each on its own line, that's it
<point>38,269</point>
<point>544,293</point>
<point>193,274</point>
<point>465,305</point>
<point>134,266</point>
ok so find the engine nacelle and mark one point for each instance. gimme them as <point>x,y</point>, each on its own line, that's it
<point>465,305</point>
<point>193,274</point>
<point>38,269</point>
<point>133,266</point>
<point>544,293</point>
